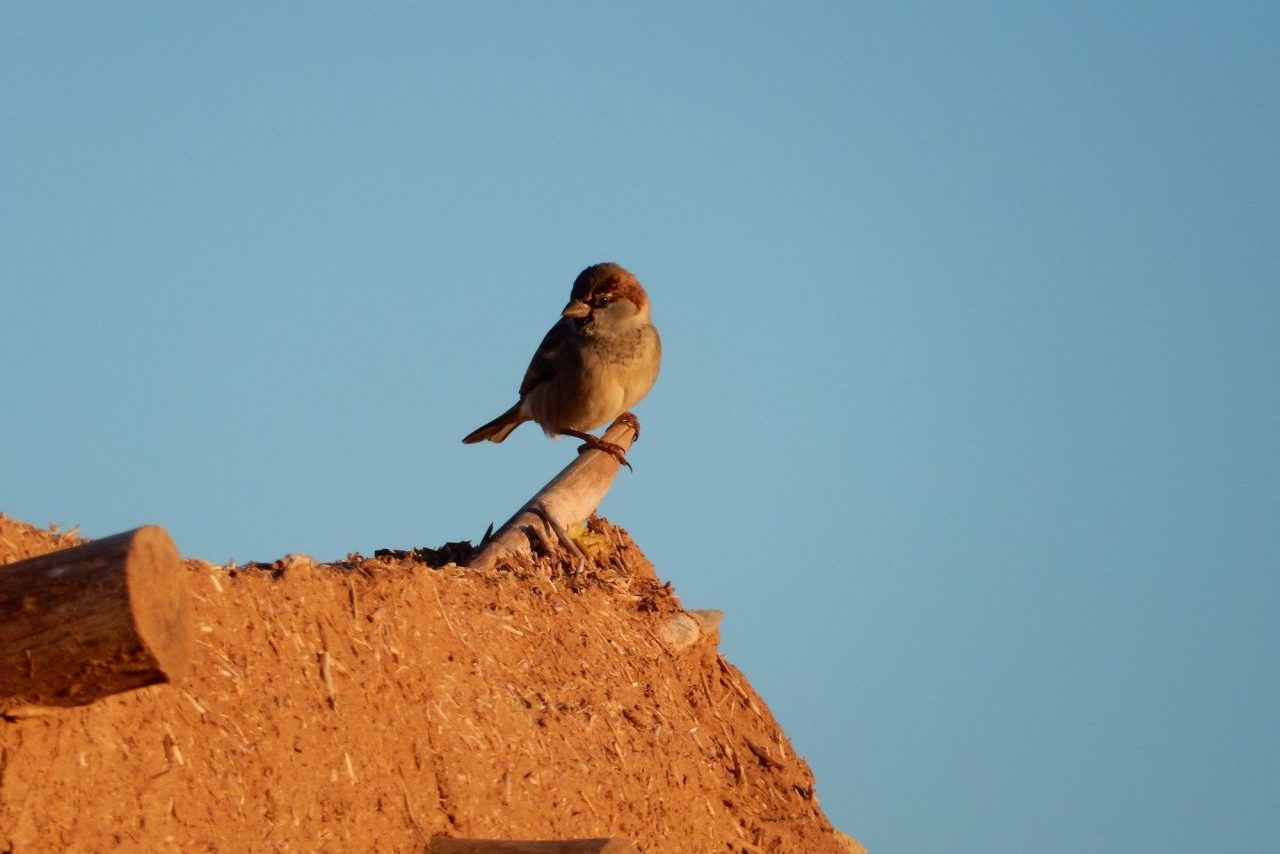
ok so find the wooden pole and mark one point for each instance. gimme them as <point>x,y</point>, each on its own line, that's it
<point>98,619</point>
<point>570,497</point>
<point>445,845</point>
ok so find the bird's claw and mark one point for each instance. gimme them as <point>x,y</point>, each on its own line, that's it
<point>594,443</point>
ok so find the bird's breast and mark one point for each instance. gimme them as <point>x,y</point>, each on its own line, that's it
<point>609,376</point>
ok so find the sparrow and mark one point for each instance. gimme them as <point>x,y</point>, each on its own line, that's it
<point>594,364</point>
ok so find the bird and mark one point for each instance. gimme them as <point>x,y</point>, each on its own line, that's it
<point>598,360</point>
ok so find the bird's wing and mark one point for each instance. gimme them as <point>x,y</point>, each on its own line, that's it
<point>550,353</point>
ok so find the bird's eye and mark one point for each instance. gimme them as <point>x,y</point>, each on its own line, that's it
<point>603,301</point>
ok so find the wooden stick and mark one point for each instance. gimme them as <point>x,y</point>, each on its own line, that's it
<point>570,497</point>
<point>445,845</point>
<point>94,620</point>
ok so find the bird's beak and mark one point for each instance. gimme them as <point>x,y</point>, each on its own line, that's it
<point>576,308</point>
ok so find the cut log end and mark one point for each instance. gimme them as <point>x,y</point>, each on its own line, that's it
<point>160,600</point>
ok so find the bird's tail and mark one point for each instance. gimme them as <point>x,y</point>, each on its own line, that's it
<point>499,428</point>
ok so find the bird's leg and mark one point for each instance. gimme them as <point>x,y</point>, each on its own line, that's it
<point>629,418</point>
<point>599,444</point>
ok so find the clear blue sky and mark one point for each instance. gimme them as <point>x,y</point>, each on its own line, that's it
<point>970,413</point>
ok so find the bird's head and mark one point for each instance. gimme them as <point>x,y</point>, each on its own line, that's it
<point>606,297</point>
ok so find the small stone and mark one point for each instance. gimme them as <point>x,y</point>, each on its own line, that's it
<point>680,631</point>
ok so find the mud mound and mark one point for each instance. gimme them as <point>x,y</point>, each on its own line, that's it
<point>374,703</point>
